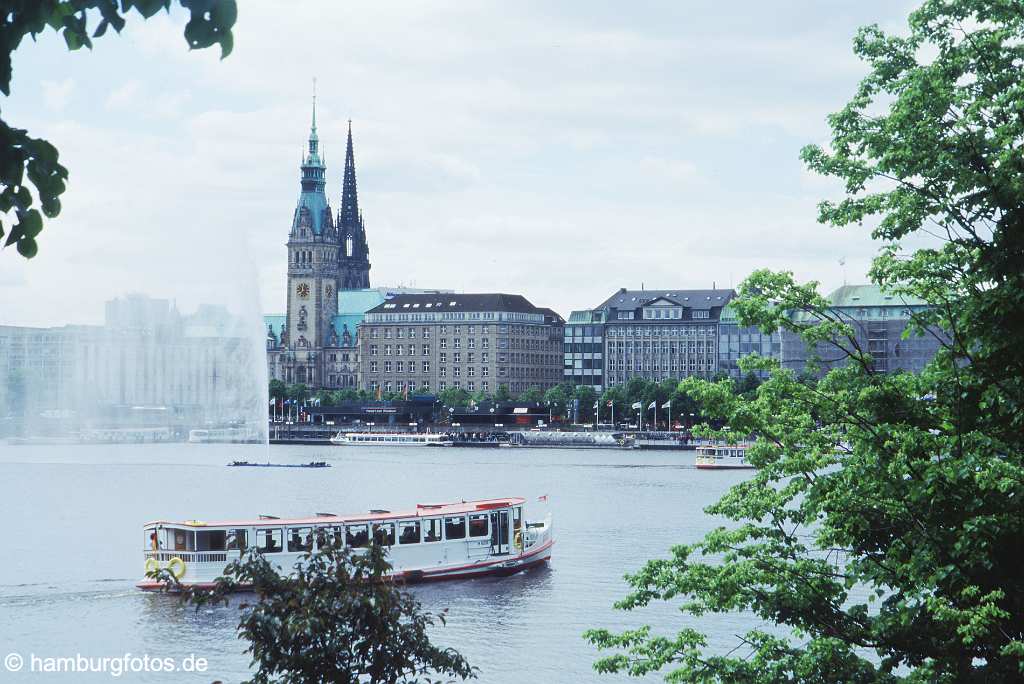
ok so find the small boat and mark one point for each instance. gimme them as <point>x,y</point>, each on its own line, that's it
<point>431,542</point>
<point>249,464</point>
<point>723,457</point>
<point>392,439</point>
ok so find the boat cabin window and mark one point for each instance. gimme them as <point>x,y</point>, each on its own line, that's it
<point>384,534</point>
<point>300,539</point>
<point>329,536</point>
<point>455,528</point>
<point>357,536</point>
<point>517,517</point>
<point>269,541</point>
<point>211,540</point>
<point>409,532</point>
<point>181,540</point>
<point>237,540</point>
<point>478,525</point>
<point>432,530</point>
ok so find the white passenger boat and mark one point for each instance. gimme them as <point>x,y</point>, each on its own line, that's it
<point>723,457</point>
<point>432,542</point>
<point>393,439</point>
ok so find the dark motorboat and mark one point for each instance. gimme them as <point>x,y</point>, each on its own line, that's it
<point>249,464</point>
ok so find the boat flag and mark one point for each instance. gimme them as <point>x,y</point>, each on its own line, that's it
<point>542,497</point>
<point>637,405</point>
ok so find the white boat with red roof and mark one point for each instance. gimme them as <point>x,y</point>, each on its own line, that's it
<point>723,457</point>
<point>432,542</point>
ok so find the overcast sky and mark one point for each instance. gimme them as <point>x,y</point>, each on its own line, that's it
<point>558,150</point>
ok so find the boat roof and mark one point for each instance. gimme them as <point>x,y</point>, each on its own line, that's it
<point>422,510</point>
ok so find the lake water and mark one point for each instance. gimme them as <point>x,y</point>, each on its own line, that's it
<point>72,547</point>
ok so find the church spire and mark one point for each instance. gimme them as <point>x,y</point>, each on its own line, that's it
<point>314,174</point>
<point>314,139</point>
<point>349,215</point>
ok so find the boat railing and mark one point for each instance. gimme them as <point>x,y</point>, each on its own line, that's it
<point>164,556</point>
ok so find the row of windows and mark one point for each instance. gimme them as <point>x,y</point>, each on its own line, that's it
<point>399,349</point>
<point>425,331</point>
<point>303,539</point>
<point>661,331</point>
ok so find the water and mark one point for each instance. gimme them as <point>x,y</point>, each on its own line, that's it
<point>72,548</point>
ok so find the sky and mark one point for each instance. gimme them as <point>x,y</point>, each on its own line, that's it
<point>556,150</point>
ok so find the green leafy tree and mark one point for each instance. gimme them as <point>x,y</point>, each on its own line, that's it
<point>616,395</point>
<point>454,396</point>
<point>297,392</point>
<point>748,384</point>
<point>278,390</point>
<point>882,530</point>
<point>533,395</point>
<point>325,397</point>
<point>502,393</point>
<point>35,160</point>
<point>585,395</point>
<point>337,618</point>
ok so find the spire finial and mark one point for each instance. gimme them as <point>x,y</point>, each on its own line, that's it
<point>314,104</point>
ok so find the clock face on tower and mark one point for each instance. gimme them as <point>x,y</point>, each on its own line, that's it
<point>302,290</point>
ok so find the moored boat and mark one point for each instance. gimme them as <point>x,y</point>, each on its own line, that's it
<point>392,439</point>
<point>431,542</point>
<point>723,457</point>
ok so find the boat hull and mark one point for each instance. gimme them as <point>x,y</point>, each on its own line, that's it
<point>700,466</point>
<point>491,567</point>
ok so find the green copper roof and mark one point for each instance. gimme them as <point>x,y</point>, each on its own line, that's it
<point>586,316</point>
<point>870,295</point>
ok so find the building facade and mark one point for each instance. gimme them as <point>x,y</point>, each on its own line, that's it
<point>583,351</point>
<point>660,334</point>
<point>327,256</point>
<point>879,321</point>
<point>427,343</point>
<point>736,341</point>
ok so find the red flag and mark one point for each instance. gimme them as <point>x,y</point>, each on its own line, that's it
<point>542,497</point>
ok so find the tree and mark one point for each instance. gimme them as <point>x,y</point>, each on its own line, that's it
<point>502,394</point>
<point>585,396</point>
<point>210,23</point>
<point>533,395</point>
<point>882,530</point>
<point>297,392</point>
<point>277,390</point>
<point>454,396</point>
<point>748,384</point>
<point>336,618</point>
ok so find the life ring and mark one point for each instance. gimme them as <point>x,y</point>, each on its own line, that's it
<point>176,567</point>
<point>518,539</point>
<point>151,566</point>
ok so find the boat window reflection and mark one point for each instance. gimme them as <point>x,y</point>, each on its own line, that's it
<point>384,534</point>
<point>269,541</point>
<point>455,528</point>
<point>357,536</point>
<point>237,540</point>
<point>409,532</point>
<point>300,539</point>
<point>432,530</point>
<point>478,526</point>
